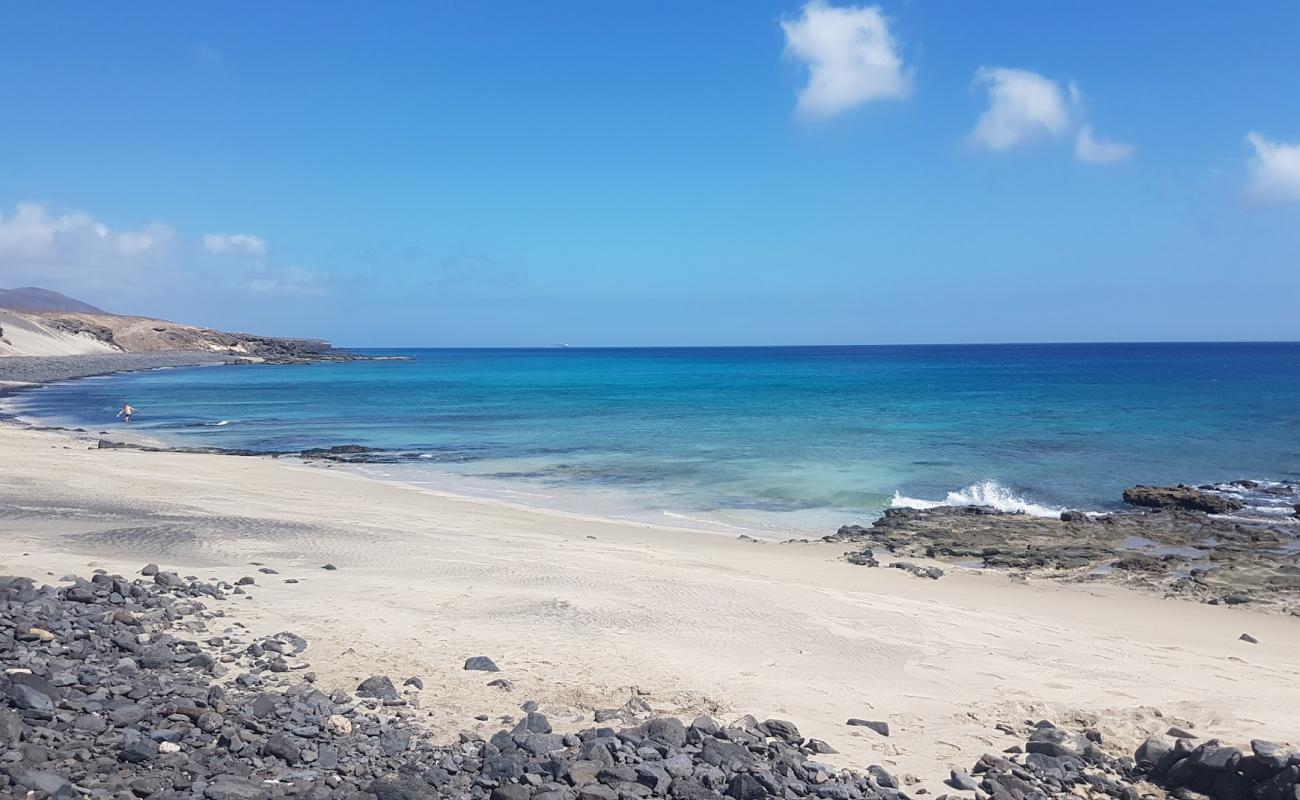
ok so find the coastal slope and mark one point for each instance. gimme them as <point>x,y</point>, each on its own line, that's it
<point>62,333</point>
<point>38,322</point>
<point>26,334</point>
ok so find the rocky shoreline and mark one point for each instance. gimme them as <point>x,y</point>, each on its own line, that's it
<point>1183,541</point>
<point>19,373</point>
<point>149,686</point>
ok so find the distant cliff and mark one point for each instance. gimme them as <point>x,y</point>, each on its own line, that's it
<point>51,333</point>
<point>65,330</point>
<point>39,321</point>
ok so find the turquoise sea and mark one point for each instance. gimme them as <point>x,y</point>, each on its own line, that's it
<point>779,441</point>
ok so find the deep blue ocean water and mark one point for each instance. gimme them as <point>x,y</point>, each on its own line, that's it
<point>793,439</point>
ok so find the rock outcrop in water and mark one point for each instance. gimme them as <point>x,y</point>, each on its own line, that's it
<point>1180,496</point>
<point>1188,553</point>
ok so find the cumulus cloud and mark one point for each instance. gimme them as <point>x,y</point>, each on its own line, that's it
<point>76,252</point>
<point>74,247</point>
<point>234,243</point>
<point>851,58</point>
<point>1023,106</point>
<point>1099,151</point>
<point>1274,177</point>
<point>33,233</point>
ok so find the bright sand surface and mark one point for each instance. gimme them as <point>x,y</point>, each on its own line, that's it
<point>26,335</point>
<point>581,612</point>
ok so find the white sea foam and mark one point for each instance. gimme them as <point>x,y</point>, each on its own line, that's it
<point>706,522</point>
<point>1272,511</point>
<point>984,493</point>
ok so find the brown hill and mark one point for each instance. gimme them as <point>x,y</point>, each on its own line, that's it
<point>34,298</point>
<point>48,333</point>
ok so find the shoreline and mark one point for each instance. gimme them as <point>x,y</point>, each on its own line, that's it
<point>24,373</point>
<point>578,610</point>
<point>1154,553</point>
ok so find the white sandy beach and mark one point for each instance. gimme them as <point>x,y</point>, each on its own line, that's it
<point>579,611</point>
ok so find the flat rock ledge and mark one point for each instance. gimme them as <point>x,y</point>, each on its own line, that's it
<point>116,688</point>
<point>1185,497</point>
<point>1170,548</point>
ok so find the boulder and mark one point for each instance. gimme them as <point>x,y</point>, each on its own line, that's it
<point>667,731</point>
<point>401,786</point>
<point>881,728</point>
<point>377,687</point>
<point>781,729</point>
<point>961,780</point>
<point>481,664</point>
<point>1058,743</point>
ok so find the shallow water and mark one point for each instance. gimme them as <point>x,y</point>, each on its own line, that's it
<point>784,440</point>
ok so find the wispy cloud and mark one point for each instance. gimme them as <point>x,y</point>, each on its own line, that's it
<point>851,57</point>
<point>263,279</point>
<point>234,243</point>
<point>1099,151</point>
<point>1274,172</point>
<point>244,267</point>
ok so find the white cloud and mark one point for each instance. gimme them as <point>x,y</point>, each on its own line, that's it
<point>32,233</point>
<point>850,55</point>
<point>1274,172</point>
<point>1099,151</point>
<point>78,254</point>
<point>40,246</point>
<point>234,243</point>
<point>1023,106</point>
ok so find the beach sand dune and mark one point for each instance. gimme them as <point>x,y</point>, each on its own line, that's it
<point>584,614</point>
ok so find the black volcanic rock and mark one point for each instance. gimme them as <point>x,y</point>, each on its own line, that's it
<point>1184,497</point>
<point>1192,554</point>
<point>481,664</point>
<point>138,706</point>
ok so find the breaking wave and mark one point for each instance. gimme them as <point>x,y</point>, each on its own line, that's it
<point>984,493</point>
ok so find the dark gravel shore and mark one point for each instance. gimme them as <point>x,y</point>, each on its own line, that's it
<point>44,369</point>
<point>120,687</point>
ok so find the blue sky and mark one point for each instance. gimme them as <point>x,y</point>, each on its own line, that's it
<point>661,173</point>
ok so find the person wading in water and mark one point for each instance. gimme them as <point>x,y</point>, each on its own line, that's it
<point>126,412</point>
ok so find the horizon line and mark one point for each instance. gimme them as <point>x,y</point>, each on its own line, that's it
<point>839,345</point>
